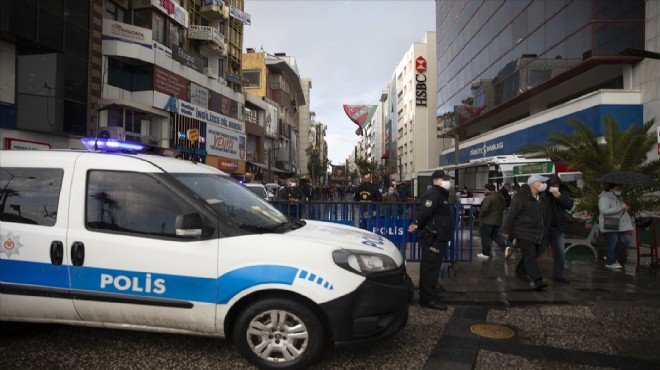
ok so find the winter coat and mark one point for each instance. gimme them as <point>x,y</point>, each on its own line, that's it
<point>609,205</point>
<point>435,213</point>
<point>492,209</point>
<point>367,192</point>
<point>557,208</point>
<point>527,217</point>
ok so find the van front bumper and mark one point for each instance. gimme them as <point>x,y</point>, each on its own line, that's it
<point>377,309</point>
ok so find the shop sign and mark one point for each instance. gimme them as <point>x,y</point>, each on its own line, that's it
<point>240,15</point>
<point>170,83</point>
<point>199,95</point>
<point>206,33</point>
<point>20,144</point>
<point>420,81</point>
<point>238,79</point>
<point>113,30</point>
<point>173,10</point>
<point>189,58</point>
<point>534,169</point>
<point>226,165</point>
<point>208,116</point>
<point>192,134</point>
<point>224,143</point>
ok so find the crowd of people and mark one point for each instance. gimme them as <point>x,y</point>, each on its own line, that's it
<point>534,214</point>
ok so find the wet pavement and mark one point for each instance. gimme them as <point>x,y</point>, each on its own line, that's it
<point>603,319</point>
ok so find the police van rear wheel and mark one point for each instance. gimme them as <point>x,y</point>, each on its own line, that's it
<point>278,333</point>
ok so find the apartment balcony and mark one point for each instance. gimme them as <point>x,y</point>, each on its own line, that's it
<point>214,10</point>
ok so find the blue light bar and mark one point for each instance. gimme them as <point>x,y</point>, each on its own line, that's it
<point>110,145</point>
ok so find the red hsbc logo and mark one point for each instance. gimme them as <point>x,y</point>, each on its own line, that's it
<point>420,64</point>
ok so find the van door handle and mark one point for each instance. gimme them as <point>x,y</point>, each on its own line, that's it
<point>56,252</point>
<point>77,253</point>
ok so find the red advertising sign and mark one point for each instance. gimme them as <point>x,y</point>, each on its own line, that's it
<point>170,83</point>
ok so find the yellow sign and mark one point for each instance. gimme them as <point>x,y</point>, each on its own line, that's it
<point>192,134</point>
<point>492,331</point>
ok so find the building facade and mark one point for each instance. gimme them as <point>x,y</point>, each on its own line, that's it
<point>275,79</point>
<point>511,72</point>
<point>416,144</point>
<point>165,73</point>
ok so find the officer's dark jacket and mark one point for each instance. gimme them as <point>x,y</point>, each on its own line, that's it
<point>527,217</point>
<point>557,208</point>
<point>367,191</point>
<point>290,193</point>
<point>434,212</point>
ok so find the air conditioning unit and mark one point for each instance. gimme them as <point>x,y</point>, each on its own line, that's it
<point>112,132</point>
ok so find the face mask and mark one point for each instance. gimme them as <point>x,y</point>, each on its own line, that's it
<point>553,189</point>
<point>617,193</point>
<point>446,185</point>
<point>293,184</point>
<point>542,187</point>
<point>391,192</point>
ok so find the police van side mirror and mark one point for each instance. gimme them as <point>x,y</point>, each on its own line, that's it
<point>190,224</point>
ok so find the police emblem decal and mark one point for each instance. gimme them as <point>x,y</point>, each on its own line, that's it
<point>428,203</point>
<point>10,244</point>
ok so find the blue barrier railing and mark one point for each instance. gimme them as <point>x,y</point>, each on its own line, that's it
<point>390,220</point>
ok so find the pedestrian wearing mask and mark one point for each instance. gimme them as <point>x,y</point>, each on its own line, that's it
<point>435,225</point>
<point>558,203</point>
<point>614,223</point>
<point>526,221</point>
<point>390,197</point>
<point>490,220</point>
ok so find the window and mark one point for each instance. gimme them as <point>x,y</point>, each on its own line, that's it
<point>114,11</point>
<point>253,77</point>
<point>30,195</point>
<point>134,203</point>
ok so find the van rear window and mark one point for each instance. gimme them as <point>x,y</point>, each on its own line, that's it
<point>30,195</point>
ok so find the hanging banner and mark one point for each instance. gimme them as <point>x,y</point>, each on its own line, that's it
<point>360,114</point>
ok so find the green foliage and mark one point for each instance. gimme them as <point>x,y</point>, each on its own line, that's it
<point>315,166</point>
<point>366,166</point>
<point>621,151</point>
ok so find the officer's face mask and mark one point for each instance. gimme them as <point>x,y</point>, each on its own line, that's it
<point>446,184</point>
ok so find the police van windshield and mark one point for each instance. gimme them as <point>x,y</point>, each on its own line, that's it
<point>233,200</point>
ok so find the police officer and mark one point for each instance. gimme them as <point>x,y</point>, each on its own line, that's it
<point>367,191</point>
<point>291,197</point>
<point>435,226</point>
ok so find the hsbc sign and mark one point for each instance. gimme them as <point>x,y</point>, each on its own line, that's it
<point>420,81</point>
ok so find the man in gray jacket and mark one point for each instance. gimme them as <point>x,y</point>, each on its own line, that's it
<point>490,220</point>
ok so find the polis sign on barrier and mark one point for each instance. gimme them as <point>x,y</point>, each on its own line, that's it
<point>420,81</point>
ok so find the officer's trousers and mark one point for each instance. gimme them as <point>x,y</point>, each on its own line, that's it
<point>429,269</point>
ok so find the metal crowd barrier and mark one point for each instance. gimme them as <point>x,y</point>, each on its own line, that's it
<point>389,220</point>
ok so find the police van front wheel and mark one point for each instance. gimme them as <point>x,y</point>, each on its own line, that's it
<point>278,334</point>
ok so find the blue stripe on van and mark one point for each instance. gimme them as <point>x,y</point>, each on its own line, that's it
<point>34,273</point>
<point>235,281</point>
<point>146,284</point>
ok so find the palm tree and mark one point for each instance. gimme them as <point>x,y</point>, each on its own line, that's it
<point>618,151</point>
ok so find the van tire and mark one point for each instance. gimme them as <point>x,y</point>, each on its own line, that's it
<point>257,325</point>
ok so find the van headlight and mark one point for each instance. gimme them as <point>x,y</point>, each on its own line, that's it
<point>363,263</point>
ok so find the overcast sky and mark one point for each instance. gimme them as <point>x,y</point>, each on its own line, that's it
<point>348,48</point>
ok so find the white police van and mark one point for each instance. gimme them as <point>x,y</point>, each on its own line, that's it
<point>160,244</point>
